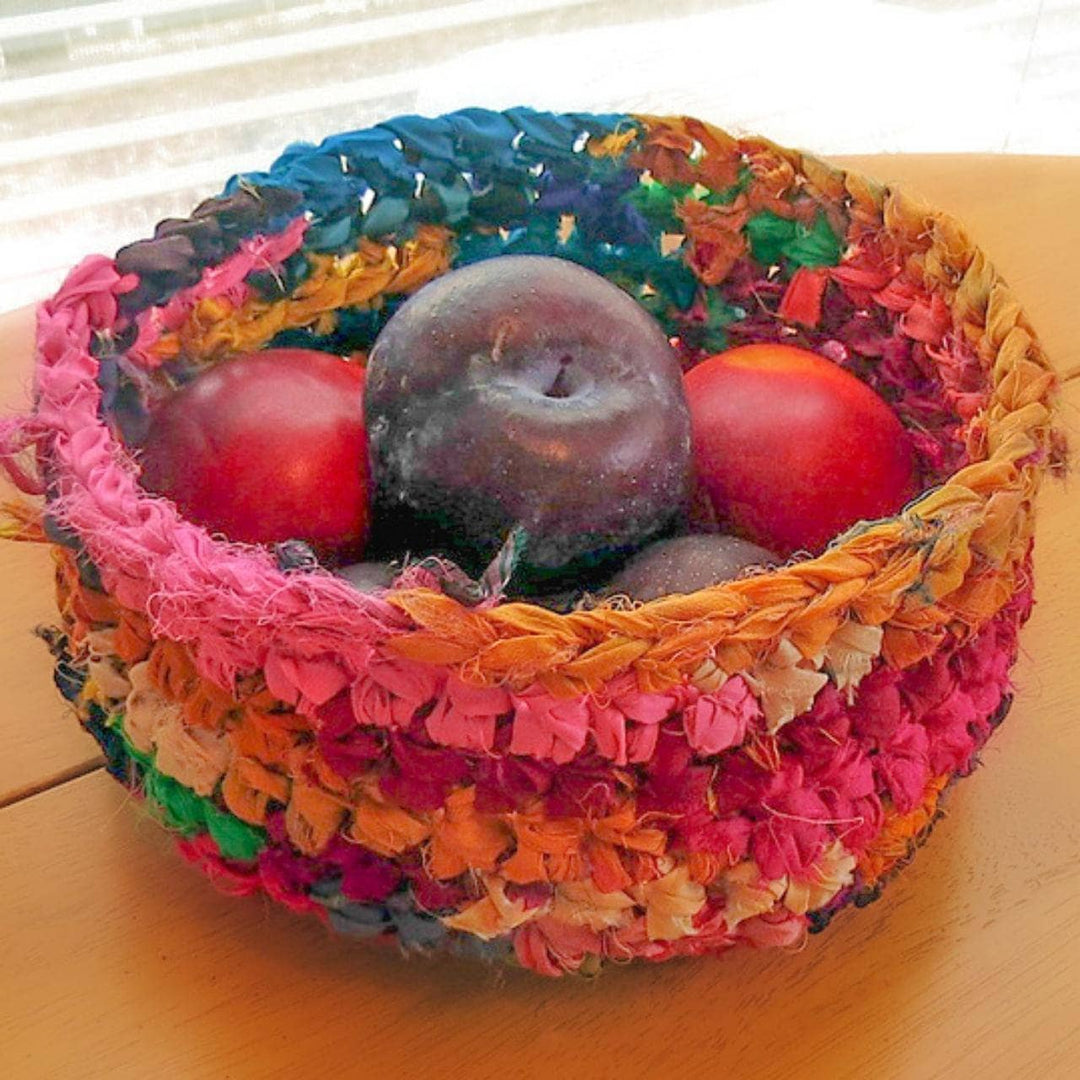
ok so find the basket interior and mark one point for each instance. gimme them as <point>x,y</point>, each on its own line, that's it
<point>724,242</point>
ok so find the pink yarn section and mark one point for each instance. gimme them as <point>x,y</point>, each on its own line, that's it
<point>620,722</point>
<point>225,281</point>
<point>229,601</point>
<point>549,947</point>
<point>718,721</point>
<point>623,722</point>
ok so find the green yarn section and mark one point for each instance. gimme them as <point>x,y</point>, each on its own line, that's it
<point>657,202</point>
<point>188,813</point>
<point>658,283</point>
<point>816,246</point>
<point>773,238</point>
<point>235,838</point>
<point>767,234</point>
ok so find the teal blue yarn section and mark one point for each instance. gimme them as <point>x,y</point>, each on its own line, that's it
<point>523,182</point>
<point>515,182</point>
<point>466,169</point>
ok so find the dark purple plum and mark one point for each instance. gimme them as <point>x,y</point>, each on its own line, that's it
<point>684,564</point>
<point>527,391</point>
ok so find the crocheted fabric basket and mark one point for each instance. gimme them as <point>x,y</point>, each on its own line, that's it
<point>558,790</point>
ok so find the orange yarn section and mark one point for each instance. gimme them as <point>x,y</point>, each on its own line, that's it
<point>896,841</point>
<point>915,579</point>
<point>684,150</point>
<point>577,849</point>
<point>84,610</point>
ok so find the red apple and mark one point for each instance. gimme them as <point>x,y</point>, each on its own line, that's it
<point>792,449</point>
<point>265,447</point>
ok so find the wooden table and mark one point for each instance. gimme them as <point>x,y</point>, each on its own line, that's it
<point>119,961</point>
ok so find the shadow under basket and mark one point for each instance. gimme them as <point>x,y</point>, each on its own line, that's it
<point>556,790</point>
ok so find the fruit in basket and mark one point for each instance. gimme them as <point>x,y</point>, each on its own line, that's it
<point>791,450</point>
<point>368,576</point>
<point>527,392</point>
<point>684,564</point>
<point>265,447</point>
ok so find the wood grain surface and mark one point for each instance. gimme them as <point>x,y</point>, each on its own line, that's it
<point>119,961</point>
<point>42,743</point>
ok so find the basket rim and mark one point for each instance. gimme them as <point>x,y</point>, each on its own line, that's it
<point>933,533</point>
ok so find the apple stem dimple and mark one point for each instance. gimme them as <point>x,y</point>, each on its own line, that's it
<point>560,386</point>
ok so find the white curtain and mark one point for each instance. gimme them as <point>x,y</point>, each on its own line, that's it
<point>116,113</point>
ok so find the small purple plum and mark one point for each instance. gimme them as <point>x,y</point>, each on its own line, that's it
<point>684,564</point>
<point>369,576</point>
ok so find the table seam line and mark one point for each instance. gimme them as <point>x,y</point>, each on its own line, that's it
<point>57,780</point>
